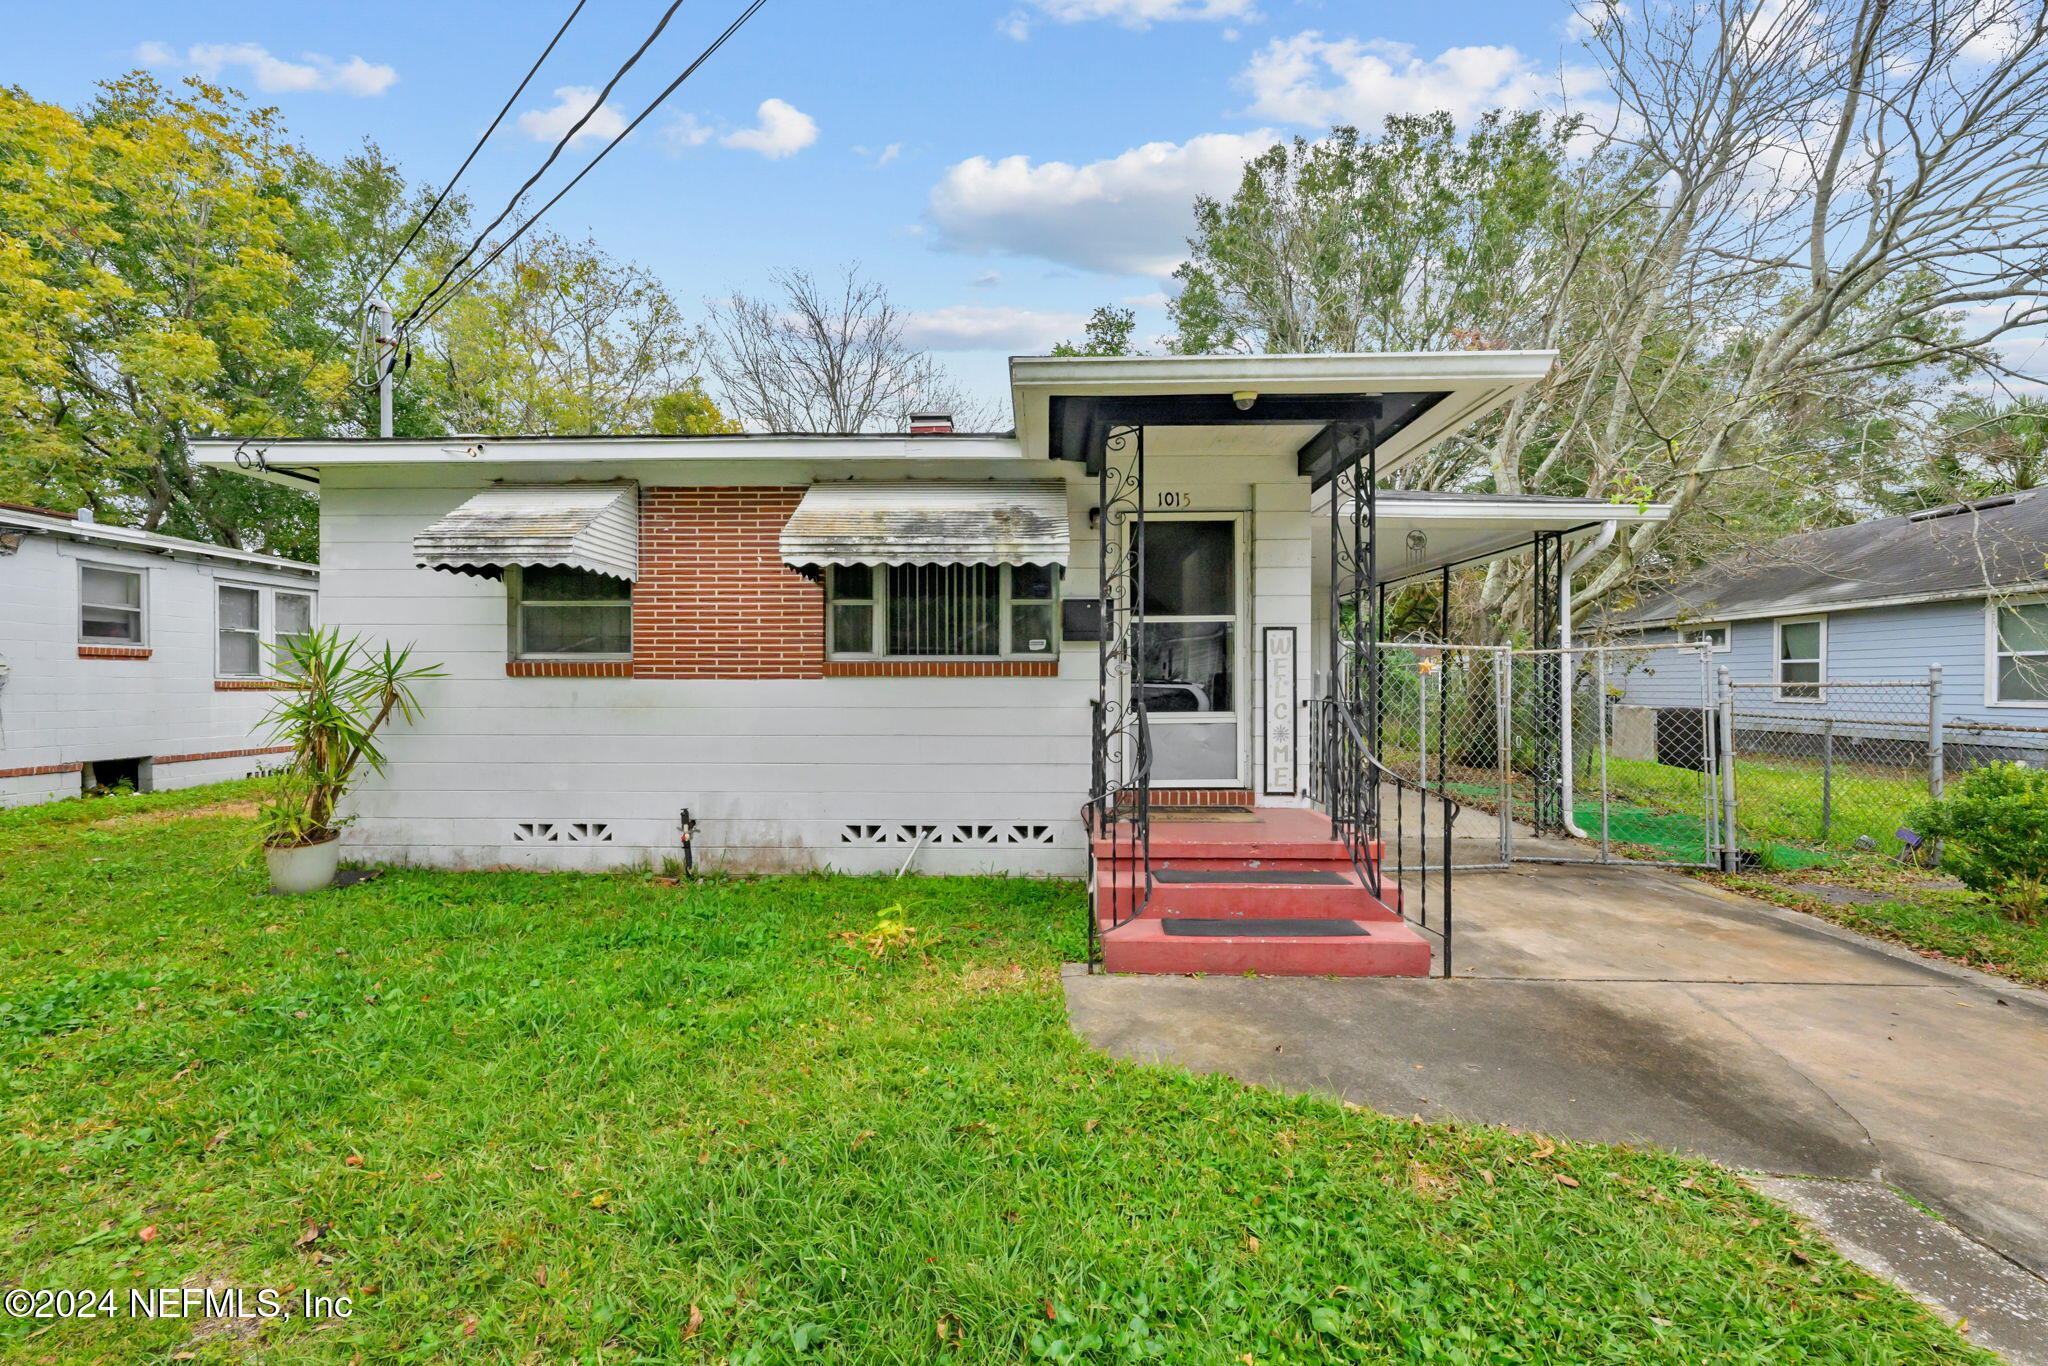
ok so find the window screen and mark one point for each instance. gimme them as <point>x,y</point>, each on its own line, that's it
<point>942,611</point>
<point>109,605</point>
<point>238,619</point>
<point>564,611</point>
<point>2023,653</point>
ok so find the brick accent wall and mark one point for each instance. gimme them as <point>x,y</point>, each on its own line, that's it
<point>252,684</point>
<point>220,754</point>
<point>569,668</point>
<point>942,668</point>
<point>714,598</point>
<point>113,652</point>
<point>41,770</point>
<point>1202,796</point>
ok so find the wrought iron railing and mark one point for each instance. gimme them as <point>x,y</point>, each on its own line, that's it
<point>1360,794</point>
<point>1118,816</point>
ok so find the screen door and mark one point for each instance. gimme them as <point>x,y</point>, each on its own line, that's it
<point>1189,655</point>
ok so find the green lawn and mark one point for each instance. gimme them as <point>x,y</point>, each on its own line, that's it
<point>569,1118</point>
<point>1779,808</point>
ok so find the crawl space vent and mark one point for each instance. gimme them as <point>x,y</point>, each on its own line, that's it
<point>946,834</point>
<point>561,832</point>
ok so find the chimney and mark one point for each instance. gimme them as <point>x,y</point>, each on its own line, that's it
<point>84,516</point>
<point>931,424</point>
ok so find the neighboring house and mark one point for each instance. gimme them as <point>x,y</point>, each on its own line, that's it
<point>132,658</point>
<point>854,651</point>
<point>1963,586</point>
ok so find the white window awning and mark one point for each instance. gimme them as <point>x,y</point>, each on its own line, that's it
<point>580,526</point>
<point>1010,522</point>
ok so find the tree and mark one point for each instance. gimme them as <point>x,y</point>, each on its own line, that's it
<point>825,356</point>
<point>1109,334</point>
<point>689,411</point>
<point>561,337</point>
<point>1807,223</point>
<point>146,250</point>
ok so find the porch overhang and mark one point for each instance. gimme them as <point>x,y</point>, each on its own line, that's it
<point>1327,410</point>
<point>1424,532</point>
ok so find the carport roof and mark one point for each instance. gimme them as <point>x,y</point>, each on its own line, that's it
<point>1423,532</point>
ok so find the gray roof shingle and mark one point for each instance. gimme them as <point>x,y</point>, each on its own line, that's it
<point>1964,550</point>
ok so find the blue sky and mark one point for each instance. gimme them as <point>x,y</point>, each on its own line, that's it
<point>1003,166</point>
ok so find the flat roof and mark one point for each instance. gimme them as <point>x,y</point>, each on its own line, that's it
<point>101,533</point>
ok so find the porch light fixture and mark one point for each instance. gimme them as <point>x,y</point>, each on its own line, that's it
<point>1244,399</point>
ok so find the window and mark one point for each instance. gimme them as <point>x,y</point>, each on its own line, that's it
<point>574,612</point>
<point>942,611</point>
<point>292,619</point>
<point>238,622</point>
<point>1802,659</point>
<point>109,606</point>
<point>2019,654</point>
<point>1714,637</point>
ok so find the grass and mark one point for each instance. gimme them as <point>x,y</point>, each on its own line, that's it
<point>1941,921</point>
<point>529,1118</point>
<point>1779,806</point>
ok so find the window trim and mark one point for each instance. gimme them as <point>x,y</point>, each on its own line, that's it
<point>1819,695</point>
<point>142,612</point>
<point>1992,653</point>
<point>262,631</point>
<point>515,600</point>
<point>878,601</point>
<point>1726,628</point>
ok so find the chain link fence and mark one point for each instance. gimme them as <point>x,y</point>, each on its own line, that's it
<point>1822,769</point>
<point>1546,762</point>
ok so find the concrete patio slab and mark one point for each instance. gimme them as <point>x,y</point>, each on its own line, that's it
<point>1639,1006</point>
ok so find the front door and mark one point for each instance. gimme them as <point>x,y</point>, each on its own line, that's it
<point>1190,651</point>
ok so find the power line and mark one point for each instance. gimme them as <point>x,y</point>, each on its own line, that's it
<point>553,153</point>
<point>641,117</point>
<point>449,188</point>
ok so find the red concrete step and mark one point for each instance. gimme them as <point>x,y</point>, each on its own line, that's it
<point>1334,893</point>
<point>1383,949</point>
<point>1269,837</point>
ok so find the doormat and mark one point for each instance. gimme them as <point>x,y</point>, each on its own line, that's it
<point>1264,929</point>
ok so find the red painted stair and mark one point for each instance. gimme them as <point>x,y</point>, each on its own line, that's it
<point>1269,892</point>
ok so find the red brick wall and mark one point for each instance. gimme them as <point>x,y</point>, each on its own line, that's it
<point>714,598</point>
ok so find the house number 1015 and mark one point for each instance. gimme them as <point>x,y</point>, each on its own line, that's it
<point>1169,499</point>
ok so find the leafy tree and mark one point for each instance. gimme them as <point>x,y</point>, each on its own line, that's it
<point>147,244</point>
<point>689,411</point>
<point>1109,334</point>
<point>561,337</point>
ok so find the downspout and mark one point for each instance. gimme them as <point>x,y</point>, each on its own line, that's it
<point>1601,540</point>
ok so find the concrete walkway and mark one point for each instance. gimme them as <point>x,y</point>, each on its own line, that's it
<point>1638,1006</point>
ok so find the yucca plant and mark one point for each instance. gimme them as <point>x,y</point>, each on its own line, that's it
<point>343,694</point>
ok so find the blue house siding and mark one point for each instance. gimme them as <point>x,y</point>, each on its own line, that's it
<point>1874,644</point>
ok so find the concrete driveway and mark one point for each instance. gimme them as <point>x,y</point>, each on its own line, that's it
<point>1638,1006</point>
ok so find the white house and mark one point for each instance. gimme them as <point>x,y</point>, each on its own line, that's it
<point>842,651</point>
<point>130,657</point>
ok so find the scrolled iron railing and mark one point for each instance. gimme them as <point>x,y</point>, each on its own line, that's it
<point>1350,784</point>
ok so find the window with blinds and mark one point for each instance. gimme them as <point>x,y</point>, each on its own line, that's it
<point>942,611</point>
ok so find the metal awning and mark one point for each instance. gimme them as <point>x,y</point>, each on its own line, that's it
<point>581,526</point>
<point>1009,522</point>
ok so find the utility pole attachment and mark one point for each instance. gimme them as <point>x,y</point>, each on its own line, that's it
<point>387,362</point>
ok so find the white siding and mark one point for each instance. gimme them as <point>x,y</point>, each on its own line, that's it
<point>57,708</point>
<point>774,771</point>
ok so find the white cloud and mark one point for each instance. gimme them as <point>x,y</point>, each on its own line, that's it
<point>274,75</point>
<point>782,130</point>
<point>1156,299</point>
<point>1129,13</point>
<point>975,327</point>
<point>1317,81</point>
<point>572,102</point>
<point>880,156</point>
<point>1128,214</point>
<point>687,132</point>
<point>988,279</point>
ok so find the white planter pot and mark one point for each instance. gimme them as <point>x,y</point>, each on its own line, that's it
<point>307,868</point>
